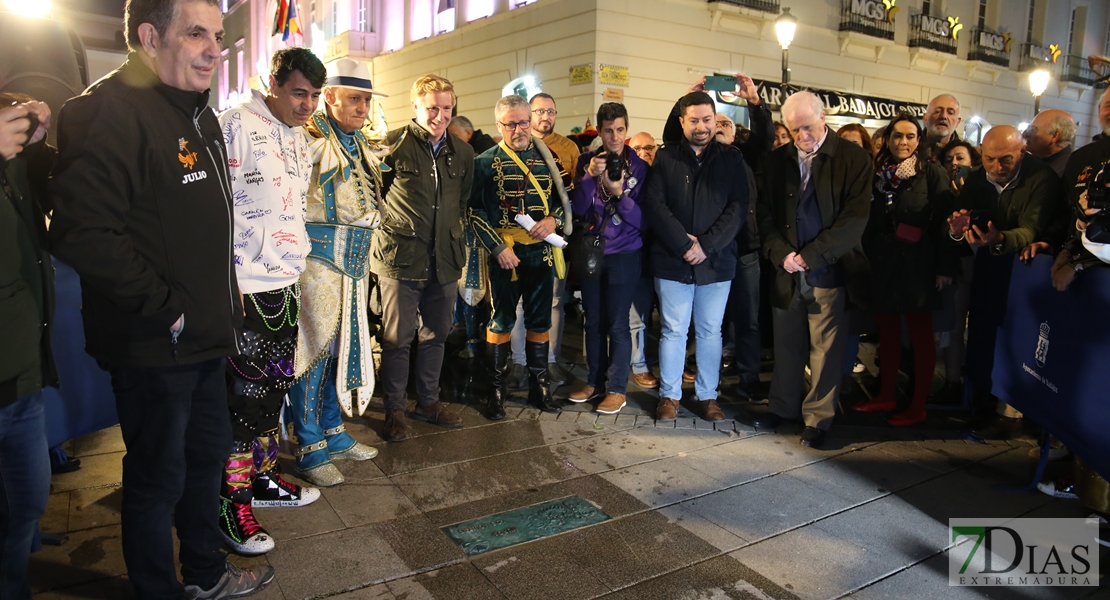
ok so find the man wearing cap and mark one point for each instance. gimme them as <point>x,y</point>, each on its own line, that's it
<point>518,177</point>
<point>333,362</point>
<point>418,254</point>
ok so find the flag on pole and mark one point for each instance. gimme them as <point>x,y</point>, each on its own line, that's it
<point>285,19</point>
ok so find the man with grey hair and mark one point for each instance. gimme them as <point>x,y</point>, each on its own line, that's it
<point>515,205</point>
<point>942,120</point>
<point>1049,137</point>
<point>813,207</point>
<point>463,129</point>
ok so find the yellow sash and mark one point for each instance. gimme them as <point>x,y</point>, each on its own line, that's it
<point>556,253</point>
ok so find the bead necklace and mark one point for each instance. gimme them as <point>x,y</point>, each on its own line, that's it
<point>285,316</point>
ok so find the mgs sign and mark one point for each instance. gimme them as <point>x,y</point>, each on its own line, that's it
<point>879,10</point>
<point>943,27</point>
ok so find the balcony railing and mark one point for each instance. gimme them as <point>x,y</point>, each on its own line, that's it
<point>1074,69</point>
<point>767,6</point>
<point>850,21</point>
<point>919,38</point>
<point>978,49</point>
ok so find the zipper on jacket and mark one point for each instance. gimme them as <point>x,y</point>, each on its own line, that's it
<point>173,343</point>
<point>225,187</point>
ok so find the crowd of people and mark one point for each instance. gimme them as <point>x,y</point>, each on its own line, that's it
<point>239,266</point>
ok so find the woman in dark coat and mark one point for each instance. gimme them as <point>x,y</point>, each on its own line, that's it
<point>909,262</point>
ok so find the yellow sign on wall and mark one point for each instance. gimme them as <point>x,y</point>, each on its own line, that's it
<point>614,95</point>
<point>612,75</point>
<point>580,74</point>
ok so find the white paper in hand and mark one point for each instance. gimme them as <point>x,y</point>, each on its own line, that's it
<point>528,223</point>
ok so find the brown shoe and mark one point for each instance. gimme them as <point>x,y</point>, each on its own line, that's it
<point>613,403</point>
<point>646,381</point>
<point>437,414</point>
<point>667,410</point>
<point>586,392</point>
<point>396,429</point>
<point>712,411</point>
<point>689,375</point>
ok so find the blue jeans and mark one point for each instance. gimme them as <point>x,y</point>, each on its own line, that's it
<point>177,430</point>
<point>313,410</point>
<point>607,300</point>
<point>677,301</point>
<point>24,488</point>
<point>742,332</point>
<point>642,303</point>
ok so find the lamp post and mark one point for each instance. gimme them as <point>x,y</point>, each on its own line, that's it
<point>28,8</point>
<point>785,26</point>
<point>1038,83</point>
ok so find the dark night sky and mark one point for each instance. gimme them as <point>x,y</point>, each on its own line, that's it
<point>111,8</point>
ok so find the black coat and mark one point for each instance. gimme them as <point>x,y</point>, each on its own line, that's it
<point>708,201</point>
<point>842,174</point>
<point>903,275</point>
<point>142,212</point>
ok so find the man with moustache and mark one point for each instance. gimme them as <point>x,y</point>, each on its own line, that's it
<point>518,177</point>
<point>813,208</point>
<point>142,212</point>
<point>643,144</point>
<point>643,301</point>
<point>942,122</point>
<point>332,361</point>
<point>695,199</point>
<point>270,166</point>
<point>419,253</point>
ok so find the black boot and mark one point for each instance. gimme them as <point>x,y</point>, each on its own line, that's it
<point>496,357</point>
<point>539,394</point>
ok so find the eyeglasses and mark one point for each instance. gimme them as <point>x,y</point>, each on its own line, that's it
<point>511,126</point>
<point>644,148</point>
<point>724,125</point>
<point>546,111</point>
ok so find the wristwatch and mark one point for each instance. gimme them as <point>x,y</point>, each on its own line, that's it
<point>558,221</point>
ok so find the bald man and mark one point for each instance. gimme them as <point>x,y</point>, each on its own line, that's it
<point>1049,137</point>
<point>643,144</point>
<point>1012,199</point>
<point>643,300</point>
<point>942,120</point>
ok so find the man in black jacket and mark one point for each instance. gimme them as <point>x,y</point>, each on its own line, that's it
<point>142,212</point>
<point>813,208</point>
<point>696,198</point>
<point>26,362</point>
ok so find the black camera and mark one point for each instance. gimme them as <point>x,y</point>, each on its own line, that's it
<point>1096,191</point>
<point>614,166</point>
<point>1098,224</point>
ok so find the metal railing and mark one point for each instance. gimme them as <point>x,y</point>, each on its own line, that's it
<point>1074,69</point>
<point>920,38</point>
<point>850,21</point>
<point>985,53</point>
<point>767,6</point>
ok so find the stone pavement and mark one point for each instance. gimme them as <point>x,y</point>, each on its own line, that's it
<point>697,510</point>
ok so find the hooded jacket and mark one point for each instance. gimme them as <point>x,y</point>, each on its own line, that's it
<point>142,212</point>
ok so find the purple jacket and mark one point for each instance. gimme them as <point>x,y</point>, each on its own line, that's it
<point>588,202</point>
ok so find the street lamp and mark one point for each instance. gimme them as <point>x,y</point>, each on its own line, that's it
<point>1038,83</point>
<point>28,8</point>
<point>785,26</point>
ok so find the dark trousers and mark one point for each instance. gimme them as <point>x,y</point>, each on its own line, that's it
<point>741,331</point>
<point>24,489</point>
<point>534,284</point>
<point>177,431</point>
<point>402,303</point>
<point>986,314</point>
<point>259,378</point>
<point>606,300</point>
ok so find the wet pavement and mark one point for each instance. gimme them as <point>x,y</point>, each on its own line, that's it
<point>695,509</point>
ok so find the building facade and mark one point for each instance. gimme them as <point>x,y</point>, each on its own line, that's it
<point>648,52</point>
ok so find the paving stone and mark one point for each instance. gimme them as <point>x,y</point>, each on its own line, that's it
<point>431,489</point>
<point>96,470</point>
<point>625,421</point>
<point>684,422</point>
<point>746,458</point>
<point>706,530</point>
<point>360,503</point>
<point>459,445</point>
<point>457,582</point>
<point>419,543</point>
<point>621,449</point>
<point>664,482</point>
<point>87,556</point>
<point>581,461</point>
<point>565,415</point>
<point>539,572</point>
<point>763,508</point>
<point>56,517</point>
<point>864,474</point>
<point>943,456</point>
<point>116,588</point>
<point>373,592</point>
<point>499,504</point>
<point>715,579</point>
<point>105,441</point>
<point>611,499</point>
<point>94,507</point>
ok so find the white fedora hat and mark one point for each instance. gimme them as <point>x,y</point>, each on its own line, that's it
<point>351,74</point>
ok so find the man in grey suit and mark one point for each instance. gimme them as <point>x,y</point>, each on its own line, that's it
<point>812,211</point>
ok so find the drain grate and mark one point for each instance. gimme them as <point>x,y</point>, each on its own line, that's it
<point>524,525</point>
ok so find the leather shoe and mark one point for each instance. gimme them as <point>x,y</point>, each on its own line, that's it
<point>646,381</point>
<point>396,429</point>
<point>875,405</point>
<point>667,410</point>
<point>689,375</point>
<point>583,394</point>
<point>767,420</point>
<point>712,412</point>
<point>813,437</point>
<point>437,414</point>
<point>612,404</point>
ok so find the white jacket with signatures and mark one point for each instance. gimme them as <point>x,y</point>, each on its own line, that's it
<point>270,166</point>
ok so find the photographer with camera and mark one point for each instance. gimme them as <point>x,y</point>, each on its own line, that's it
<point>606,199</point>
<point>1006,204</point>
